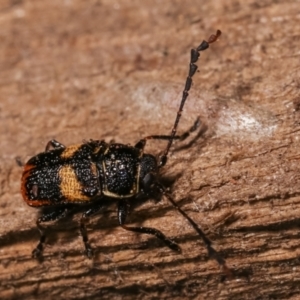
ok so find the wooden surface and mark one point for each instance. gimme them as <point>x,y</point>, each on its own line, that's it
<point>75,70</point>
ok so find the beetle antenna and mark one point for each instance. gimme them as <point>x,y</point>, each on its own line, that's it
<point>195,54</point>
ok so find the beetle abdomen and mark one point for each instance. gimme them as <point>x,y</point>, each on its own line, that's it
<point>61,176</point>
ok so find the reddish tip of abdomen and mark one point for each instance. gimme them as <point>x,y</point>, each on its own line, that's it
<point>24,189</point>
<point>26,174</point>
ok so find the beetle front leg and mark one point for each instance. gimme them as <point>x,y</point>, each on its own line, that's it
<point>142,143</point>
<point>193,128</point>
<point>123,208</point>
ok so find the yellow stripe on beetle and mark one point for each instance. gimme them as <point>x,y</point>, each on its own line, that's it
<point>70,186</point>
<point>69,151</point>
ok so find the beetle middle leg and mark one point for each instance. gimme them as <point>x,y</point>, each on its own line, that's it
<point>123,208</point>
<point>85,216</point>
<point>55,214</point>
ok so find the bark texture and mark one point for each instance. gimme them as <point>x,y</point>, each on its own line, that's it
<point>114,70</point>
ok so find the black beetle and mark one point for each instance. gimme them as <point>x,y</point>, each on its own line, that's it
<point>62,178</point>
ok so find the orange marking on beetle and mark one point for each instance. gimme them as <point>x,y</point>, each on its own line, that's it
<point>69,151</point>
<point>37,203</point>
<point>26,174</point>
<point>70,186</point>
<point>24,190</point>
<point>94,170</point>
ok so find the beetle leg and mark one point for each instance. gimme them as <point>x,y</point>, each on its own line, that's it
<point>156,189</point>
<point>54,215</point>
<point>55,145</point>
<point>211,251</point>
<point>123,208</point>
<point>19,161</point>
<point>141,144</point>
<point>84,219</point>
<point>193,128</point>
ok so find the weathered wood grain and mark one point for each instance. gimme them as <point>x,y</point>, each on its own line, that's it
<point>75,70</point>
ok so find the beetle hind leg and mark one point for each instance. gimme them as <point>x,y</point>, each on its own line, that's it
<point>54,215</point>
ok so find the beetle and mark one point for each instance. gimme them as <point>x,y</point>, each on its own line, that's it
<point>61,178</point>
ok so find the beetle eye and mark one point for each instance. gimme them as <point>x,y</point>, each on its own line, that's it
<point>148,181</point>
